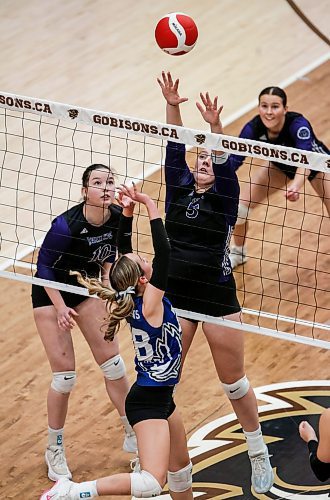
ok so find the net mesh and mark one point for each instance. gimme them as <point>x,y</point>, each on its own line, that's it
<point>45,147</point>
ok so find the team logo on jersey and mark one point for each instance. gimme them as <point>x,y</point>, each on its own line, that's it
<point>303,133</point>
<point>200,138</point>
<point>221,468</point>
<point>327,162</point>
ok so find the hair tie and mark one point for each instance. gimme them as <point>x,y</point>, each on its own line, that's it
<point>121,295</point>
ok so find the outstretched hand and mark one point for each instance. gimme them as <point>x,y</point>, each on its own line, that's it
<point>170,89</point>
<point>210,112</point>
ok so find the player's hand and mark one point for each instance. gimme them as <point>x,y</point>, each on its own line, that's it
<point>307,432</point>
<point>210,110</point>
<point>292,192</point>
<point>170,89</point>
<point>124,201</point>
<point>65,319</point>
<point>134,194</point>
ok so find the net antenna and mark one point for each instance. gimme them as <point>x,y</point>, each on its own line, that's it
<point>45,147</point>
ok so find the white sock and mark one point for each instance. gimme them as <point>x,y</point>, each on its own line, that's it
<point>87,489</point>
<point>127,426</point>
<point>255,442</point>
<point>55,437</point>
<point>239,249</point>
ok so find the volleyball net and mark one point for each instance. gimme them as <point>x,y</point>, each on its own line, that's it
<point>45,148</point>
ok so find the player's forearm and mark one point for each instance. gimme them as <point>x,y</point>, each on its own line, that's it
<point>55,297</point>
<point>173,114</point>
<point>216,128</point>
<point>152,209</point>
<point>299,178</point>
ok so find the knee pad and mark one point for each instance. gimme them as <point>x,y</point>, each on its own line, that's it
<point>180,480</point>
<point>242,214</point>
<point>63,382</point>
<point>238,389</point>
<point>114,368</point>
<point>144,485</point>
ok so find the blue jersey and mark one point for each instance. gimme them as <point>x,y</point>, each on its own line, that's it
<point>158,350</point>
<point>74,244</point>
<point>199,225</point>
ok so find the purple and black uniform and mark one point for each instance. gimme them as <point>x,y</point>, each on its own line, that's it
<point>72,243</point>
<point>199,226</point>
<point>296,133</point>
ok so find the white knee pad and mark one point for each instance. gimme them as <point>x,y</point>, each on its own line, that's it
<point>238,389</point>
<point>144,485</point>
<point>180,480</point>
<point>242,214</point>
<point>114,368</point>
<point>63,382</point>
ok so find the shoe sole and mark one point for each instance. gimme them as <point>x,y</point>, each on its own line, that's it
<point>52,475</point>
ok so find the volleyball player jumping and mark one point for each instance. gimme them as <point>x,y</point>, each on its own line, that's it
<point>137,294</point>
<point>201,211</point>
<point>83,238</point>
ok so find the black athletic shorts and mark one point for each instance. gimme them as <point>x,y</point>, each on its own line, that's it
<point>214,299</point>
<point>290,171</point>
<point>146,402</point>
<point>40,297</point>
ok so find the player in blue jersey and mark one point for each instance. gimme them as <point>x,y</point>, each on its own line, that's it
<point>136,293</point>
<point>82,238</point>
<point>319,449</point>
<point>201,211</point>
<point>276,125</point>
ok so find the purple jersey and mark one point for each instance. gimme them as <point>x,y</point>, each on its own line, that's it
<point>74,244</point>
<point>297,133</point>
<point>199,225</point>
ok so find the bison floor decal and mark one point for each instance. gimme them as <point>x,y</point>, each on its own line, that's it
<point>218,450</point>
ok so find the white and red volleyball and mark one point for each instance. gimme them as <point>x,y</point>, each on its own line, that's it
<point>176,33</point>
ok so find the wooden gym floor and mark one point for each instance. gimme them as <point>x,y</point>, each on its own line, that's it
<point>102,55</point>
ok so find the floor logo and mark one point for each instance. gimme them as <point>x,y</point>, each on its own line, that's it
<point>218,449</point>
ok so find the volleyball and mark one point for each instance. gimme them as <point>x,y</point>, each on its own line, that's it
<point>176,33</point>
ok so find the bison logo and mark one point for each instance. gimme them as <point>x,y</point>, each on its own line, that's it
<point>200,138</point>
<point>73,113</point>
<point>219,453</point>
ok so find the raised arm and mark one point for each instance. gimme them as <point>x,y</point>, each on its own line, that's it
<point>124,236</point>
<point>156,287</point>
<point>211,115</point>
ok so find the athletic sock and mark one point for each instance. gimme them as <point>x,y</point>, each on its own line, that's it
<point>255,442</point>
<point>127,426</point>
<point>87,489</point>
<point>55,437</point>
